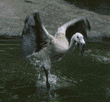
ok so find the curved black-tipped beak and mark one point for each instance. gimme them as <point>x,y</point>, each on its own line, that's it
<point>82,48</point>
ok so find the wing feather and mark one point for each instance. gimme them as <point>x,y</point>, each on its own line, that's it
<point>76,25</point>
<point>34,35</point>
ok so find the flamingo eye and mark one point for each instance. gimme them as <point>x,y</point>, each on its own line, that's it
<point>78,37</point>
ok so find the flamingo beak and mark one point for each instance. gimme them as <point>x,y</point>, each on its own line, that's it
<point>82,48</point>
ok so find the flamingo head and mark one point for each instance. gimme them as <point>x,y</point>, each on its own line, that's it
<point>80,42</point>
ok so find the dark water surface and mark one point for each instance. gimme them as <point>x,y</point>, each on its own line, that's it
<point>73,79</point>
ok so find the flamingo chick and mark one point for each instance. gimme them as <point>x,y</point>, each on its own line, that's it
<point>39,43</point>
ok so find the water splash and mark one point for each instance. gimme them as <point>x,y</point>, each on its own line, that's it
<point>98,55</point>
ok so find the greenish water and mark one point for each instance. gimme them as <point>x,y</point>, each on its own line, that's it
<point>73,79</point>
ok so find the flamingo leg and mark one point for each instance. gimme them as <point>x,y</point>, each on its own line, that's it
<point>46,68</point>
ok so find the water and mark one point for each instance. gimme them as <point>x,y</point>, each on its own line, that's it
<point>73,79</point>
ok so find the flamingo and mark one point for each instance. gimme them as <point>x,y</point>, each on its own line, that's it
<point>37,42</point>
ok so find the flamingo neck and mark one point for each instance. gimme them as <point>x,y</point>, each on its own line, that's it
<point>72,45</point>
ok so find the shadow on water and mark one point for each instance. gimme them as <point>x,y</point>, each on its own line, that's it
<point>76,78</point>
<point>98,6</point>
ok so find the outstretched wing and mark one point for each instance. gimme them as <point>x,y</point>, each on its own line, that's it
<point>80,25</point>
<point>34,35</point>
